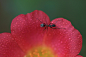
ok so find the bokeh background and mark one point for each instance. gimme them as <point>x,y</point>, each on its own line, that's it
<point>72,10</point>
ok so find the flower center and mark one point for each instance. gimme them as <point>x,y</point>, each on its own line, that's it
<point>40,52</point>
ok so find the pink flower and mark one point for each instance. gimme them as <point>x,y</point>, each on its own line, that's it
<point>29,39</point>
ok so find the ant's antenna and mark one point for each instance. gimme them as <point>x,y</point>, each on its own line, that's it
<point>61,28</point>
<point>40,21</point>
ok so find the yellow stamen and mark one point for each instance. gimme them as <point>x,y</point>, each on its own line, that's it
<point>40,52</point>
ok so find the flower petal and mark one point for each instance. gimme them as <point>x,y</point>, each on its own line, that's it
<point>8,47</point>
<point>65,42</point>
<point>79,56</point>
<point>26,29</point>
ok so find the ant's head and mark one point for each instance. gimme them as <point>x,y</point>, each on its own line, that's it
<point>43,25</point>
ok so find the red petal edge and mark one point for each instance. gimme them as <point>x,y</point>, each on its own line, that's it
<point>79,56</point>
<point>27,31</point>
<point>65,42</point>
<point>8,47</point>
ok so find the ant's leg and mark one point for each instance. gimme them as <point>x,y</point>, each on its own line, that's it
<point>44,29</point>
<point>47,28</point>
<point>58,28</point>
<point>50,27</point>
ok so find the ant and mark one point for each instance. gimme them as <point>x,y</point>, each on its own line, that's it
<point>51,25</point>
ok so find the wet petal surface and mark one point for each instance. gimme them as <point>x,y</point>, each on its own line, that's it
<point>27,31</point>
<point>65,42</point>
<point>8,47</point>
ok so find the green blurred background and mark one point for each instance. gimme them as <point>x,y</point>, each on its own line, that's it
<point>72,10</point>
